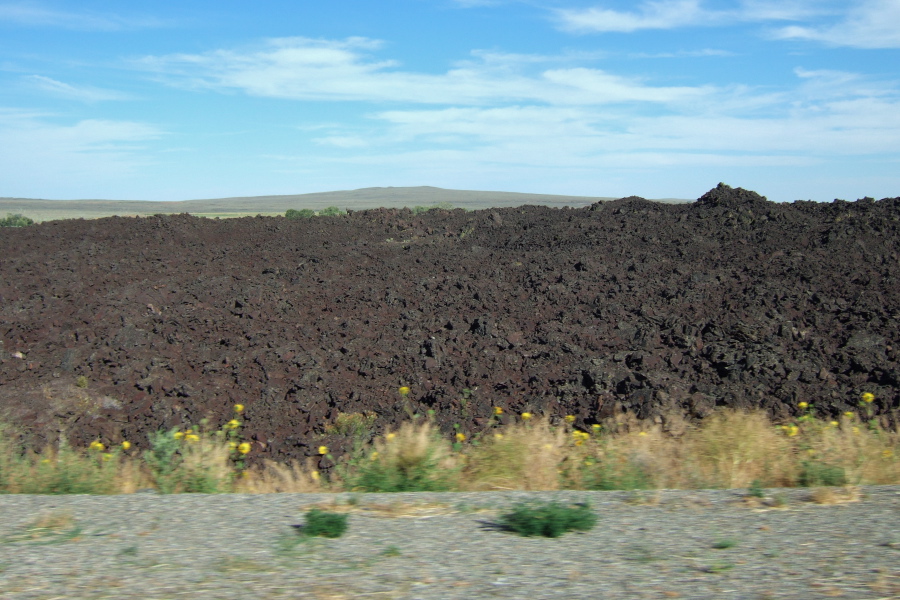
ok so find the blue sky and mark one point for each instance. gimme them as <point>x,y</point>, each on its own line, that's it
<point>164,100</point>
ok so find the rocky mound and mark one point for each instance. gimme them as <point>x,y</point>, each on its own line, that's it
<point>120,326</point>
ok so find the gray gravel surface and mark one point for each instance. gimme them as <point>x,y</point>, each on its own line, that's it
<point>667,544</point>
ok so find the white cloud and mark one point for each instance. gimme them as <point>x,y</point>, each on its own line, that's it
<point>33,14</point>
<point>665,14</point>
<point>672,14</point>
<point>867,24</point>
<point>85,153</point>
<point>304,69</point>
<point>72,92</point>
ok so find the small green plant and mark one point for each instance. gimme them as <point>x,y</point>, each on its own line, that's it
<point>81,381</point>
<point>16,220</point>
<point>331,211</point>
<point>391,551</point>
<point>725,544</point>
<point>324,524</point>
<point>814,473</point>
<point>303,213</point>
<point>756,490</point>
<point>548,520</point>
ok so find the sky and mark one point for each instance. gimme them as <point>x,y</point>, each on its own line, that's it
<point>166,100</point>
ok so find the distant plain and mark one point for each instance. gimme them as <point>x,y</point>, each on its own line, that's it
<point>362,199</point>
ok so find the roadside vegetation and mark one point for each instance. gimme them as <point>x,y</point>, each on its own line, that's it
<point>16,220</point>
<point>729,450</point>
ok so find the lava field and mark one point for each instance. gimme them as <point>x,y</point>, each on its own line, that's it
<point>113,328</point>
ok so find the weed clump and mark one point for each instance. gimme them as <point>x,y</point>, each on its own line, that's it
<point>324,524</point>
<point>414,459</point>
<point>548,520</point>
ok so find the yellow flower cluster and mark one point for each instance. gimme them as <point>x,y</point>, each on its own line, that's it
<point>460,437</point>
<point>498,411</point>
<point>580,437</point>
<point>868,398</point>
<point>570,418</point>
<point>790,430</point>
<point>97,445</point>
<point>526,416</point>
<point>404,391</point>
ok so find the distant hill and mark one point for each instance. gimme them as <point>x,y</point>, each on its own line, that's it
<point>392,197</point>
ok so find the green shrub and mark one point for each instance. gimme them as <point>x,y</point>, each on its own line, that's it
<point>331,211</point>
<point>324,524</point>
<point>548,520</point>
<point>16,221</point>
<point>303,213</point>
<point>814,473</point>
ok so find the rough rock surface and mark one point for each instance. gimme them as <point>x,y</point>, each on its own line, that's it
<point>626,305</point>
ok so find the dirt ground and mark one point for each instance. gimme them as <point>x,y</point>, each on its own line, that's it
<point>117,327</point>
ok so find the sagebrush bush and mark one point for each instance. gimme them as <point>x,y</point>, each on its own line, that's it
<point>548,520</point>
<point>303,213</point>
<point>324,524</point>
<point>16,220</point>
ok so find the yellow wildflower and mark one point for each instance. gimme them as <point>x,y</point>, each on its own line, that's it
<point>868,398</point>
<point>643,433</point>
<point>848,414</point>
<point>244,448</point>
<point>460,437</point>
<point>374,456</point>
<point>233,424</point>
<point>803,405</point>
<point>856,430</point>
<point>238,408</point>
<point>834,423</point>
<point>96,445</point>
<point>498,436</point>
<point>404,391</point>
<point>323,449</point>
<point>192,437</point>
<point>107,456</point>
<point>314,475</point>
<point>178,435</point>
<point>390,436</point>
<point>570,418</point>
<point>126,445</point>
<point>232,445</point>
<point>498,410</point>
<point>526,415</point>
<point>596,427</point>
<point>793,430</point>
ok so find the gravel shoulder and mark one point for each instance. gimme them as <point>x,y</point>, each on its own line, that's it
<point>667,544</point>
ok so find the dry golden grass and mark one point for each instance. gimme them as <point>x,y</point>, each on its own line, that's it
<point>729,449</point>
<point>520,456</point>
<point>272,477</point>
